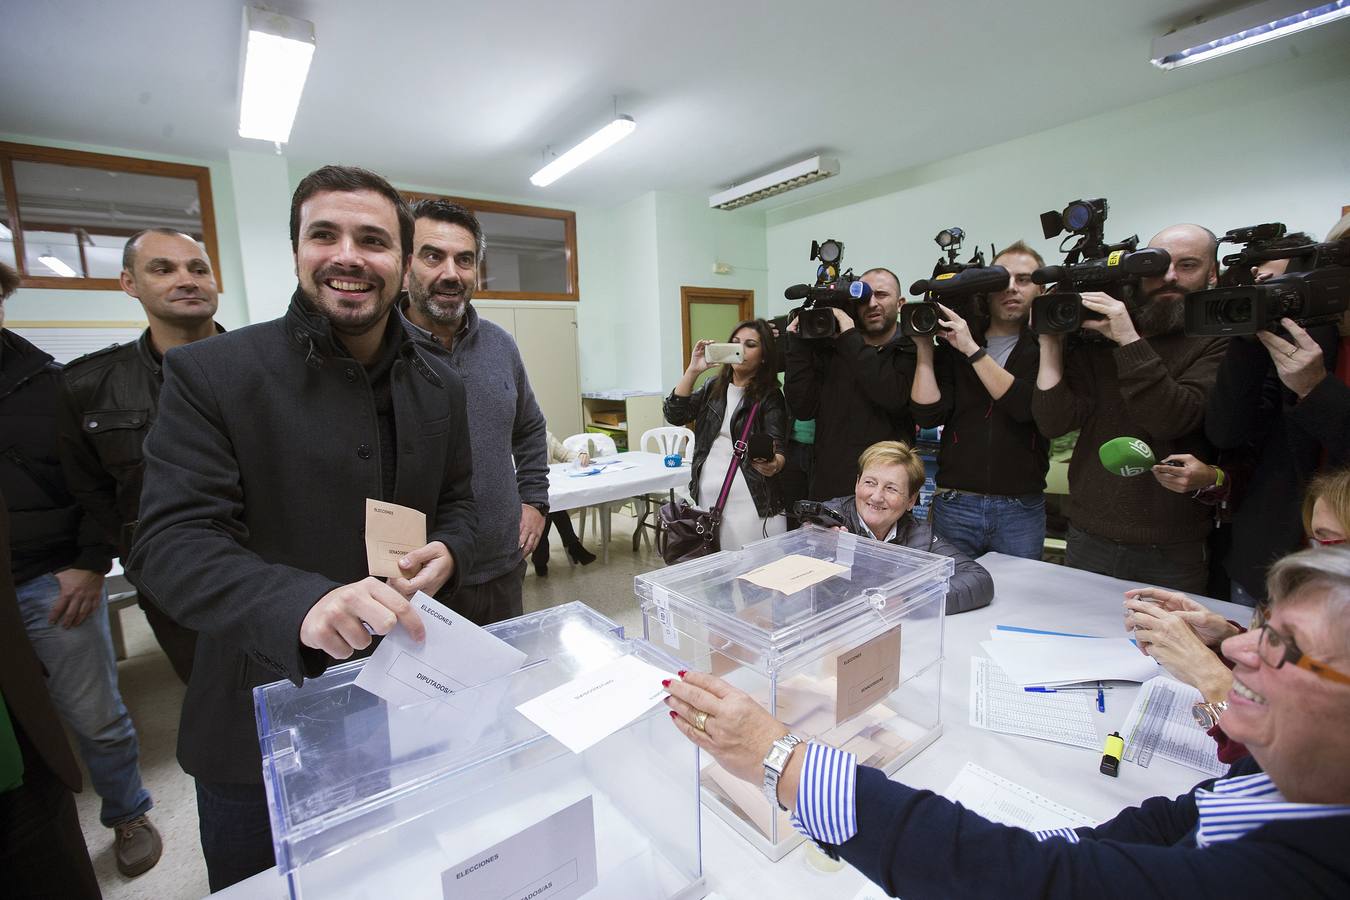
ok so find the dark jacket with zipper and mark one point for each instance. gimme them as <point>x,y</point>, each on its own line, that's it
<point>108,402</point>
<point>971,586</point>
<point>706,409</point>
<point>267,444</point>
<point>49,531</point>
<point>858,394</point>
<point>988,446</point>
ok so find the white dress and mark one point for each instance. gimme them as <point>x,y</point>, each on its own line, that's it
<point>741,523</point>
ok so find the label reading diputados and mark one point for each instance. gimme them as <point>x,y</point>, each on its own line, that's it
<point>551,860</point>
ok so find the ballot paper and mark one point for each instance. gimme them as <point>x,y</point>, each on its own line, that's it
<point>1008,803</point>
<point>456,655</point>
<point>392,532</point>
<point>1055,659</point>
<point>594,705</point>
<point>793,573</point>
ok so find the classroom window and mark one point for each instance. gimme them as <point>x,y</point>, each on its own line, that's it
<point>531,250</point>
<point>67,214</point>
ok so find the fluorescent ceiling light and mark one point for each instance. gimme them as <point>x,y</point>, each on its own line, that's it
<point>785,179</point>
<point>1242,28</point>
<point>57,266</point>
<point>5,233</point>
<point>277,53</point>
<point>598,143</point>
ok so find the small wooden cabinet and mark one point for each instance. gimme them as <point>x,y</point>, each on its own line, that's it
<point>623,415</point>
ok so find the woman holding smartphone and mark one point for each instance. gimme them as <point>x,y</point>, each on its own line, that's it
<point>719,409</point>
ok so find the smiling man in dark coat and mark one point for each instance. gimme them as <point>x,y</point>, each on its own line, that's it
<point>268,442</point>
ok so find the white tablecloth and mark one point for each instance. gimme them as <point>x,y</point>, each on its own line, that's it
<point>1027,593</point>
<point>636,473</point>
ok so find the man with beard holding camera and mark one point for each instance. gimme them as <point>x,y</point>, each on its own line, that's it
<point>1145,380</point>
<point>855,385</point>
<point>992,463</point>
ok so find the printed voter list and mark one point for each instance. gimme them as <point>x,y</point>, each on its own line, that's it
<point>456,655</point>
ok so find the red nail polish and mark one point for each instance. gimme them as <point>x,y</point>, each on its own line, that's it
<point>681,673</point>
<point>665,682</point>
<point>673,714</point>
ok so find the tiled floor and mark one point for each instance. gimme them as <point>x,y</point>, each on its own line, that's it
<point>154,695</point>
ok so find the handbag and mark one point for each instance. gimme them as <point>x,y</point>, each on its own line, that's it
<point>686,532</point>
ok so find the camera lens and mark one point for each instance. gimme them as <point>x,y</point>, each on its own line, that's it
<point>1077,216</point>
<point>923,318</point>
<point>1062,314</point>
<point>1237,311</point>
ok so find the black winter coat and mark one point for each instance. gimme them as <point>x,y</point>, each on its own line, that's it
<point>858,394</point>
<point>48,529</point>
<point>706,410</point>
<point>266,447</point>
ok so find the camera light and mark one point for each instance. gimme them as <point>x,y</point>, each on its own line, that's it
<point>949,236</point>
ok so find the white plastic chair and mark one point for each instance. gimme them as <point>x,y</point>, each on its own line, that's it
<point>666,440</point>
<point>604,446</point>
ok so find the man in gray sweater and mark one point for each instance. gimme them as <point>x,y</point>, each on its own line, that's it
<point>504,420</point>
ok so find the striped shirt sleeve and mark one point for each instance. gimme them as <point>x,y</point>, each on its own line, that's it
<point>1067,833</point>
<point>827,809</point>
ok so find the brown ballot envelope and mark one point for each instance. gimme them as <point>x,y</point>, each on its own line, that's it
<point>392,532</point>
<point>867,673</point>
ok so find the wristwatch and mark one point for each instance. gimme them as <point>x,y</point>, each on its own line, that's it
<point>1207,714</point>
<point>774,762</point>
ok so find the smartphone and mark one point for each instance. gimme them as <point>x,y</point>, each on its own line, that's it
<point>724,353</point>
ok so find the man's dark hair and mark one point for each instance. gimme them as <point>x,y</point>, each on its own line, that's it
<point>449,211</point>
<point>9,281</point>
<point>899,291</point>
<point>348,179</point>
<point>129,248</point>
<point>1022,248</point>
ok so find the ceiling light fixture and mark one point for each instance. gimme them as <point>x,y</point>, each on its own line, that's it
<point>57,266</point>
<point>1242,28</point>
<point>785,179</point>
<point>593,146</point>
<point>277,52</point>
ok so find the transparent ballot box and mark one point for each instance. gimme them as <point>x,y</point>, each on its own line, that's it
<point>838,636</point>
<point>469,798</point>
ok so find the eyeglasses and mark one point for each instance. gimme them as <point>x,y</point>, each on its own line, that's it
<point>1276,649</point>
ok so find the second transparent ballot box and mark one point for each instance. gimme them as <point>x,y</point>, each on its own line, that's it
<point>466,797</point>
<point>840,637</point>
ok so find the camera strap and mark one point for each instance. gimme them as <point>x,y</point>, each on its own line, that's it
<point>738,450</point>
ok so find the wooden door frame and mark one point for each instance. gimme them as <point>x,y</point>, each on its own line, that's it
<point>743,300</point>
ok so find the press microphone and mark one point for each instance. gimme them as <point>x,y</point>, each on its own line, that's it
<point>797,291</point>
<point>978,280</point>
<point>1126,456</point>
<point>859,291</point>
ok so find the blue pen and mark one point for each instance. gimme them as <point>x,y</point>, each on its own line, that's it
<point>1040,690</point>
<point>1101,699</point>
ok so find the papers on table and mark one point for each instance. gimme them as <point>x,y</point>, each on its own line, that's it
<point>456,655</point>
<point>1160,723</point>
<point>793,573</point>
<point>594,705</point>
<point>1000,800</point>
<point>1031,658</point>
<point>999,704</point>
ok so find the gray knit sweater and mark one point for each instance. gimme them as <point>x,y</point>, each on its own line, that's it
<point>507,434</point>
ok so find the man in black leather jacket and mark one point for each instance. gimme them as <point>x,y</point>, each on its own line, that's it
<point>111,397</point>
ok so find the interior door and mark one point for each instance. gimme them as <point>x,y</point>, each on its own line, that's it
<point>709,315</point>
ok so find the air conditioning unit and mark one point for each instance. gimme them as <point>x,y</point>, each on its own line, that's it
<point>785,179</point>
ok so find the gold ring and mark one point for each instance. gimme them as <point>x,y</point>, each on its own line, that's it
<point>701,720</point>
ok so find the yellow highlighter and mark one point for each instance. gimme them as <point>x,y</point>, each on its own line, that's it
<point>1111,753</point>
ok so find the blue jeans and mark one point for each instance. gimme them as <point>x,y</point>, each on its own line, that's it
<point>980,523</point>
<point>82,681</point>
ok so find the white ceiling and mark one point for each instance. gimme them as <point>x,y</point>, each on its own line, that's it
<point>465,95</point>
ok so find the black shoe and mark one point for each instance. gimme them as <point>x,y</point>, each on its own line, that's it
<point>541,569</point>
<point>580,555</point>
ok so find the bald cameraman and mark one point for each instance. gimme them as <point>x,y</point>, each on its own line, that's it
<point>855,385</point>
<point>1146,380</point>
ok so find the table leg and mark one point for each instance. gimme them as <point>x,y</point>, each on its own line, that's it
<point>604,533</point>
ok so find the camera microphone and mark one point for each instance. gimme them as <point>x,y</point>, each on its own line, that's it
<point>859,290</point>
<point>797,292</point>
<point>979,280</point>
<point>1126,456</point>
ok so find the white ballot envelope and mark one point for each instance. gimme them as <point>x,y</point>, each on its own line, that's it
<point>595,704</point>
<point>456,655</point>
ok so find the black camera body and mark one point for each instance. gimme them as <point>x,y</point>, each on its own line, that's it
<point>832,290</point>
<point>1091,264</point>
<point>817,514</point>
<point>956,285</point>
<point>1314,289</point>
